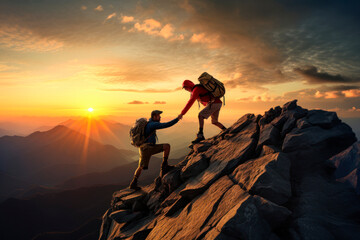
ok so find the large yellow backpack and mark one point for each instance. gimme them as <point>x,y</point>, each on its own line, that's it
<point>214,86</point>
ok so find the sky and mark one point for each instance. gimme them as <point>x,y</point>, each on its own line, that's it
<point>125,58</point>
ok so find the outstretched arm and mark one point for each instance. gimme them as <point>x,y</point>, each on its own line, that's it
<point>194,96</point>
<point>158,125</point>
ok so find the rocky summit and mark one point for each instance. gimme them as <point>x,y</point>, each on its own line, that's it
<point>291,173</point>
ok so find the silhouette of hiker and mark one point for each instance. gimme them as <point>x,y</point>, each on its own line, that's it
<point>150,147</point>
<point>212,107</point>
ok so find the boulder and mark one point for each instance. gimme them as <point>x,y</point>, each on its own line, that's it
<point>267,176</point>
<point>322,118</point>
<point>172,179</point>
<point>298,139</point>
<point>131,198</point>
<point>269,135</point>
<point>289,105</point>
<point>347,164</point>
<point>266,150</point>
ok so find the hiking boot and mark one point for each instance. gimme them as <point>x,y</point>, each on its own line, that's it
<point>165,169</point>
<point>133,185</point>
<point>199,138</point>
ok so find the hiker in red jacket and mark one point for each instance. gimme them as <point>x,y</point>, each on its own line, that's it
<point>212,107</point>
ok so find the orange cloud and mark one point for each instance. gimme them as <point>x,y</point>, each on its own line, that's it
<point>352,93</point>
<point>126,19</point>
<point>99,8</point>
<point>354,109</point>
<point>21,39</point>
<point>138,102</point>
<point>210,41</point>
<point>159,102</point>
<point>83,7</point>
<point>111,16</point>
<point>154,27</point>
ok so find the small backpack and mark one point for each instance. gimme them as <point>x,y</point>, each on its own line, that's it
<point>137,132</point>
<point>214,86</point>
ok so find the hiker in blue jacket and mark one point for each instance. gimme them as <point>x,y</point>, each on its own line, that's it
<point>150,147</point>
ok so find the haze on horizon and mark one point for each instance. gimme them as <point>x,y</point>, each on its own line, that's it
<point>125,58</point>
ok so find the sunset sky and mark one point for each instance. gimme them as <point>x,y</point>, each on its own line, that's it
<point>126,58</point>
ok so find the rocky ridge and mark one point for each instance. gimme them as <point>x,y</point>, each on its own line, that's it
<point>265,177</point>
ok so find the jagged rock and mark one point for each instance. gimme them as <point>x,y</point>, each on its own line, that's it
<point>194,166</point>
<point>229,155</point>
<point>303,138</point>
<point>269,135</point>
<point>353,178</point>
<point>241,123</point>
<point>289,105</point>
<point>268,176</point>
<point>138,206</point>
<point>322,118</point>
<point>288,126</point>
<point>122,216</point>
<point>154,199</point>
<point>193,216</point>
<point>202,146</point>
<point>105,225</point>
<point>347,164</point>
<point>274,214</point>
<point>120,205</point>
<point>117,196</point>
<point>243,221</point>
<point>131,198</point>
<point>237,186</point>
<point>266,150</point>
<point>303,123</point>
<point>172,179</point>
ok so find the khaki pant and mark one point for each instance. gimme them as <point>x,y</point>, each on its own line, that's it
<point>146,151</point>
<point>213,110</point>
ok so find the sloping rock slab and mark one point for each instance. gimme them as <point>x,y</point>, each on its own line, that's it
<point>244,221</point>
<point>230,154</point>
<point>193,216</point>
<point>194,166</point>
<point>267,176</point>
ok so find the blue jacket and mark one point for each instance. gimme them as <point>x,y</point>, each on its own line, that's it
<point>152,126</point>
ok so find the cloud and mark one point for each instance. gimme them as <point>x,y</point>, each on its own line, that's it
<point>127,19</point>
<point>154,27</point>
<point>314,76</point>
<point>22,39</point>
<point>159,102</point>
<point>354,109</point>
<point>149,90</point>
<point>351,93</point>
<point>111,16</point>
<point>138,102</point>
<point>83,7</point>
<point>99,8</point>
<point>261,98</point>
<point>212,41</point>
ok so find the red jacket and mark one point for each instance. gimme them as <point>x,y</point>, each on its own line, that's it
<point>201,94</point>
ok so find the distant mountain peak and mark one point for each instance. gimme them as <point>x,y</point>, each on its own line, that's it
<point>267,176</point>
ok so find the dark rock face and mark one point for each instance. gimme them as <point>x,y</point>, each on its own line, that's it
<point>265,177</point>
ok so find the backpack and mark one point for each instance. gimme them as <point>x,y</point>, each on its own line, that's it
<point>214,86</point>
<point>137,132</point>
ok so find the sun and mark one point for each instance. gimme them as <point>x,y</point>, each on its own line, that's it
<point>90,109</point>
